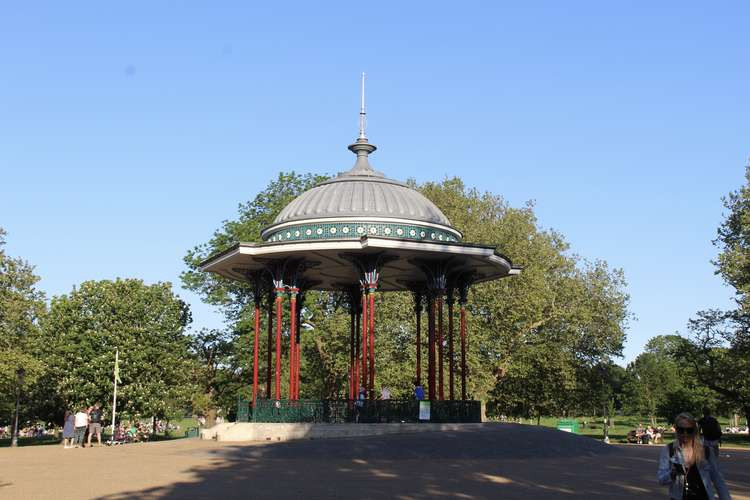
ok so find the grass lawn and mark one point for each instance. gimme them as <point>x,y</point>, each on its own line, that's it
<point>623,424</point>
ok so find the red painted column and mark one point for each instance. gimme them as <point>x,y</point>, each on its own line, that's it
<point>364,341</point>
<point>463,349</point>
<point>418,312</point>
<point>298,355</point>
<point>255,348</point>
<point>357,342</point>
<point>297,360</point>
<point>451,357</point>
<point>441,392</point>
<point>269,353</point>
<point>352,319</point>
<point>279,317</point>
<point>371,317</point>
<point>431,346</point>
<point>292,341</point>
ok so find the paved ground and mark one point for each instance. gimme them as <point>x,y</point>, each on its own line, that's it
<point>500,461</point>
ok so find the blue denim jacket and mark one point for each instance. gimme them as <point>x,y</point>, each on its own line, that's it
<point>708,470</point>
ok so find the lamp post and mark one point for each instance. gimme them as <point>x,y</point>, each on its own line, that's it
<point>20,373</point>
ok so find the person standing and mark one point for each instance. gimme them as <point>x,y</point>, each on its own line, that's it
<point>689,467</point>
<point>95,423</point>
<point>419,392</point>
<point>81,421</point>
<point>68,429</point>
<point>711,431</point>
<point>359,404</point>
<point>385,393</point>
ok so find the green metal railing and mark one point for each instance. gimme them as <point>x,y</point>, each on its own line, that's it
<point>332,411</point>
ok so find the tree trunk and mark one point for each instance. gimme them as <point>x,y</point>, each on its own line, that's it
<point>153,427</point>
<point>210,418</point>
<point>747,415</point>
<point>538,417</point>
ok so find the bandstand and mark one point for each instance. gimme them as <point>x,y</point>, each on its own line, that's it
<point>362,233</point>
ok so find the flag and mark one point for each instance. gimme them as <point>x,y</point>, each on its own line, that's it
<point>117,368</point>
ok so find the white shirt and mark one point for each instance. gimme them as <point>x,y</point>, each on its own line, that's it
<point>82,419</point>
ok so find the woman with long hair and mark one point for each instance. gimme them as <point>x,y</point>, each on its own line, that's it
<point>688,466</point>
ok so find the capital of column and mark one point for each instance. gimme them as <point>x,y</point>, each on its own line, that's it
<point>293,292</point>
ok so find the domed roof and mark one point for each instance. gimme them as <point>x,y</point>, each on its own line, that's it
<point>358,194</point>
<point>355,198</point>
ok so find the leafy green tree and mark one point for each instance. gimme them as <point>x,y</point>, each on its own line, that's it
<point>597,385</point>
<point>146,322</point>
<point>21,307</point>
<point>217,376</point>
<point>733,240</point>
<point>654,375</point>
<point>719,348</point>
<point>718,353</point>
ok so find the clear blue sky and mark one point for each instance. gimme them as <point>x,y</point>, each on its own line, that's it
<point>128,133</point>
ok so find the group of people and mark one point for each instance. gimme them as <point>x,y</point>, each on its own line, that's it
<point>135,432</point>
<point>646,435</point>
<point>86,421</point>
<point>689,466</point>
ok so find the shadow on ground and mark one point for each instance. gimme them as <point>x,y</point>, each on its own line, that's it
<point>498,461</point>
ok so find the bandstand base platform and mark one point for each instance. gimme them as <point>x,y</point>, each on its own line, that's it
<point>270,432</point>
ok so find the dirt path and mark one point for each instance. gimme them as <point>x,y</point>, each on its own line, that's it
<point>503,461</point>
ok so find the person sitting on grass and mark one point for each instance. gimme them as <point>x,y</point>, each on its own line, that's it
<point>656,434</point>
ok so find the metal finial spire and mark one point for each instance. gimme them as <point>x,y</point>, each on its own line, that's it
<point>362,112</point>
<point>361,146</point>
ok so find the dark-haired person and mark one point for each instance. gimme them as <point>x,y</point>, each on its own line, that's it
<point>711,431</point>
<point>689,467</point>
<point>95,423</point>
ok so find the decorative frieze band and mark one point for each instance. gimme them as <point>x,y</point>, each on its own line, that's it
<point>354,230</point>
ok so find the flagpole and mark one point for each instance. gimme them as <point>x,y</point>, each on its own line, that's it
<point>114,397</point>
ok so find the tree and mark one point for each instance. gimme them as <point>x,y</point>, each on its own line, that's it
<point>217,375</point>
<point>653,375</point>
<point>532,332</point>
<point>146,322</point>
<point>719,349</point>
<point>21,308</point>
<point>719,354</point>
<point>733,240</point>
